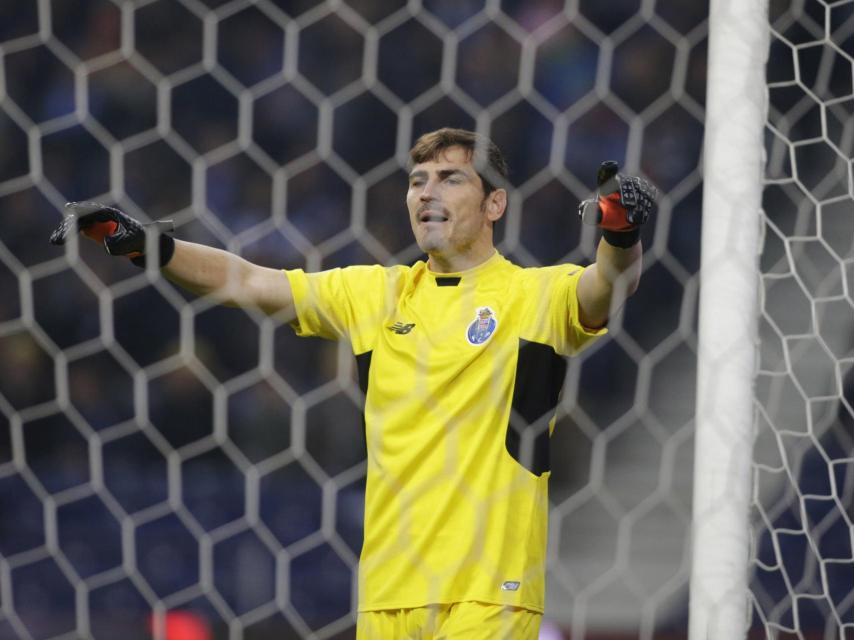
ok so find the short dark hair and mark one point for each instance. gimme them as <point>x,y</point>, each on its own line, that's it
<point>430,145</point>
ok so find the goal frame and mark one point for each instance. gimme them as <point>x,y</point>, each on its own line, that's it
<point>736,108</point>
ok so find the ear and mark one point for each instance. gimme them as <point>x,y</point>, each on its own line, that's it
<point>496,204</point>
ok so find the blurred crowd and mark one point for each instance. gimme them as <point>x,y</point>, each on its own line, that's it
<point>289,153</point>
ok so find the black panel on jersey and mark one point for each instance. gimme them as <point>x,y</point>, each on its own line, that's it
<point>363,367</point>
<point>540,373</point>
<point>449,281</point>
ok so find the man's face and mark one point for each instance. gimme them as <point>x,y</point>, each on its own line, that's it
<point>449,213</point>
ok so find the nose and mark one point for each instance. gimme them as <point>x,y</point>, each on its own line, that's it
<point>427,192</point>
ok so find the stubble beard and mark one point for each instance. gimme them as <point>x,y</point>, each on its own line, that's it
<point>432,242</point>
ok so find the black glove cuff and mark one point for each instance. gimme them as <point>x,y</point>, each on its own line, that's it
<point>622,239</point>
<point>167,249</point>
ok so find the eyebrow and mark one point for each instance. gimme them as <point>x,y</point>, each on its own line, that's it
<point>443,173</point>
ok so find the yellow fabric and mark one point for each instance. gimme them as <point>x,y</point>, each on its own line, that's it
<point>458,621</point>
<point>450,515</point>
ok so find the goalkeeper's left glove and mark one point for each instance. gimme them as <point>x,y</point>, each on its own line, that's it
<point>622,204</point>
<point>120,234</point>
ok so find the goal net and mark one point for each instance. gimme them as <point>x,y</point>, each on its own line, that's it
<point>802,552</point>
<point>174,469</point>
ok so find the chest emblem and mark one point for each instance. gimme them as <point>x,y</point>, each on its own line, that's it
<point>482,327</point>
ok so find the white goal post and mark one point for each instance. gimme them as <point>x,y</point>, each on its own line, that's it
<point>736,108</point>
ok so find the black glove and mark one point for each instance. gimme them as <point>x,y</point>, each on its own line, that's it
<point>621,205</point>
<point>120,234</point>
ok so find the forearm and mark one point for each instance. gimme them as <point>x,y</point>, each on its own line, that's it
<point>228,278</point>
<point>606,284</point>
<point>203,270</point>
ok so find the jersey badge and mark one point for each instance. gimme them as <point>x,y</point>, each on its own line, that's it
<point>511,585</point>
<point>482,327</point>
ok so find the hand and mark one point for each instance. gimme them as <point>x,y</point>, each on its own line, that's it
<point>120,234</point>
<point>621,205</point>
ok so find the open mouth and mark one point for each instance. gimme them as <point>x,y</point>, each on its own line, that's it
<point>432,216</point>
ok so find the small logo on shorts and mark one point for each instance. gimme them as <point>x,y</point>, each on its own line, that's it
<point>482,327</point>
<point>510,585</point>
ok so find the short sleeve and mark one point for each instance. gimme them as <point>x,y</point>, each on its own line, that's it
<point>349,303</point>
<point>551,309</point>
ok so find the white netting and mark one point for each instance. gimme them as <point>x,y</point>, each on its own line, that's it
<point>803,556</point>
<point>159,454</point>
<point>165,455</point>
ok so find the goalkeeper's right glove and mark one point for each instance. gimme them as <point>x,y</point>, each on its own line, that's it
<point>120,234</point>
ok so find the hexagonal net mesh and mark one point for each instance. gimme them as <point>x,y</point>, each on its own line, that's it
<point>175,468</point>
<point>802,556</point>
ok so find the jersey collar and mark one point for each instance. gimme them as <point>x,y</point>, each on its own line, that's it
<point>454,278</point>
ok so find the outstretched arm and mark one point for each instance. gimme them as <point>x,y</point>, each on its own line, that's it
<point>606,284</point>
<point>621,205</point>
<point>230,279</point>
<point>200,269</point>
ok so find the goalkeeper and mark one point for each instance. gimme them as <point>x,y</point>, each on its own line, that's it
<point>461,358</point>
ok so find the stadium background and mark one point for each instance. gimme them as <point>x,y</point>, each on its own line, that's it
<point>278,129</point>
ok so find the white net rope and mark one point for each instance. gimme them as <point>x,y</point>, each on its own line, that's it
<point>161,455</point>
<point>803,556</point>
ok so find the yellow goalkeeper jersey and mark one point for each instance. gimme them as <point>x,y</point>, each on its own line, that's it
<point>462,374</point>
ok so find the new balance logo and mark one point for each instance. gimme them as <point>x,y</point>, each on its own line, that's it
<point>402,329</point>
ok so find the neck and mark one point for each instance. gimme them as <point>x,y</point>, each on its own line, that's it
<point>460,262</point>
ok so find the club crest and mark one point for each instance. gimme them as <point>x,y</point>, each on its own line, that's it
<point>482,327</point>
